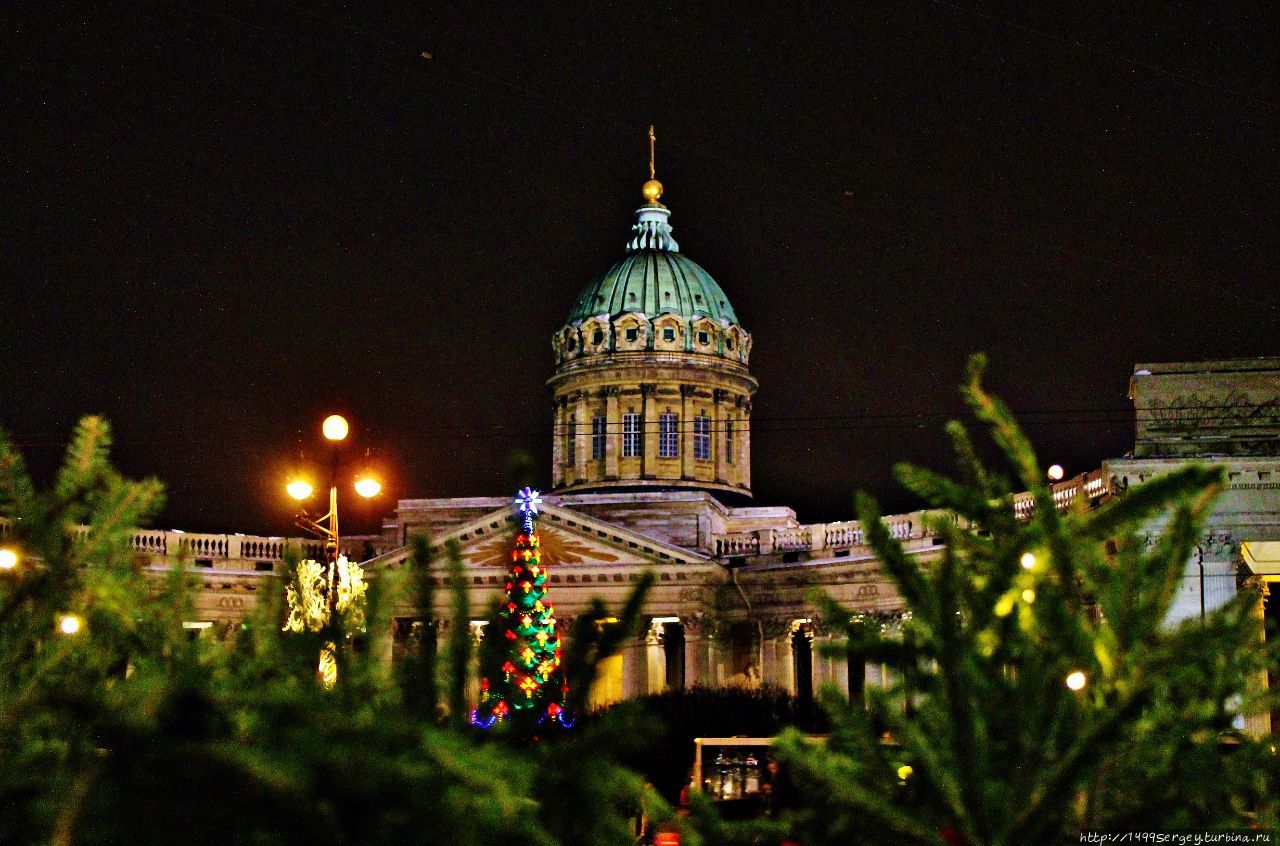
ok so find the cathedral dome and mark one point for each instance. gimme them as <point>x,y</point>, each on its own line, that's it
<point>651,388</point>
<point>654,282</point>
<point>653,298</point>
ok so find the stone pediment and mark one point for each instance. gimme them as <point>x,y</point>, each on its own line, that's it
<point>568,538</point>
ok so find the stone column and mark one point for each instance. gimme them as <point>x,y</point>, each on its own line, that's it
<point>557,443</point>
<point>649,429</point>
<point>656,658</point>
<point>744,461</point>
<point>685,432</point>
<point>613,432</point>
<point>582,436</point>
<point>697,656</point>
<point>776,654</point>
<point>635,666</point>
<point>719,423</point>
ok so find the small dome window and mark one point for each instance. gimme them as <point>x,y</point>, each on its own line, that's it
<point>600,299</point>
<point>697,298</point>
<point>631,297</point>
<point>668,334</point>
<point>666,295</point>
<point>704,338</point>
<point>598,337</point>
<point>573,344</point>
<point>633,333</point>
<point>728,342</point>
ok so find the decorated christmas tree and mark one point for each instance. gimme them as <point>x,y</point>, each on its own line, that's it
<point>529,688</point>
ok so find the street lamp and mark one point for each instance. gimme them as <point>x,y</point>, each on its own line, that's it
<point>8,559</point>
<point>335,429</point>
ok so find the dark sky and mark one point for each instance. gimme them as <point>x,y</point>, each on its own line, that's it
<point>225,219</point>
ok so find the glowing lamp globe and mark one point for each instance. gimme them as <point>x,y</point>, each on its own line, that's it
<point>1077,680</point>
<point>1056,472</point>
<point>1028,561</point>
<point>368,487</point>
<point>335,427</point>
<point>298,489</point>
<point>8,559</point>
<point>69,624</point>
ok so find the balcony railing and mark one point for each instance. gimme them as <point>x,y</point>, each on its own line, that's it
<point>232,551</point>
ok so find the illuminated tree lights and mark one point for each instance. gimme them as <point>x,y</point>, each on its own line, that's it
<point>529,686</point>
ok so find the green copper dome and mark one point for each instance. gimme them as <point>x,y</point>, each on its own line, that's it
<point>653,278</point>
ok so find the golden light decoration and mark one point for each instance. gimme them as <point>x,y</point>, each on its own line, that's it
<point>1077,680</point>
<point>70,624</point>
<point>298,489</point>
<point>335,427</point>
<point>1028,596</point>
<point>328,669</point>
<point>367,486</point>
<point>8,559</point>
<point>1028,560</point>
<point>905,771</point>
<point>307,596</point>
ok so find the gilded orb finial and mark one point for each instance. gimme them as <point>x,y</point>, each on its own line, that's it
<point>652,189</point>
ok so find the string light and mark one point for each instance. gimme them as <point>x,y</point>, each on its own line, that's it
<point>1077,680</point>
<point>1028,560</point>
<point>531,682</point>
<point>70,624</point>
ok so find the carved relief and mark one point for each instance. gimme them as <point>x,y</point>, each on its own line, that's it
<point>557,548</point>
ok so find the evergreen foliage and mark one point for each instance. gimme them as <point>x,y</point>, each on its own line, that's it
<point>1000,749</point>
<point>130,731</point>
<point>529,686</point>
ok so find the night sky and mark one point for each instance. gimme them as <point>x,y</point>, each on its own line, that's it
<point>226,219</point>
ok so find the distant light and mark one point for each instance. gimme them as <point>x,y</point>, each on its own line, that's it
<point>1028,561</point>
<point>298,489</point>
<point>8,559</point>
<point>905,771</point>
<point>69,624</point>
<point>1056,472</point>
<point>1077,680</point>
<point>368,487</point>
<point>197,624</point>
<point>335,427</point>
<point>1028,596</point>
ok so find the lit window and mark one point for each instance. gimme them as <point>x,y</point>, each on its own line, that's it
<point>668,334</point>
<point>597,438</point>
<point>630,435</point>
<point>728,441</point>
<point>668,435</point>
<point>570,439</point>
<point>704,338</point>
<point>633,333</point>
<point>702,438</point>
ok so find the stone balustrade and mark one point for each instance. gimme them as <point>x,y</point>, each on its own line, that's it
<point>818,538</point>
<point>232,552</point>
<point>1092,485</point>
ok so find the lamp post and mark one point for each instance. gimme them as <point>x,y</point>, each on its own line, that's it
<point>335,430</point>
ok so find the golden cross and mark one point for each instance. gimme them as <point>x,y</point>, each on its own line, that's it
<point>651,140</point>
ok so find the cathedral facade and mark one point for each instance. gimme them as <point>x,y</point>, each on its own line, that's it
<point>651,463</point>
